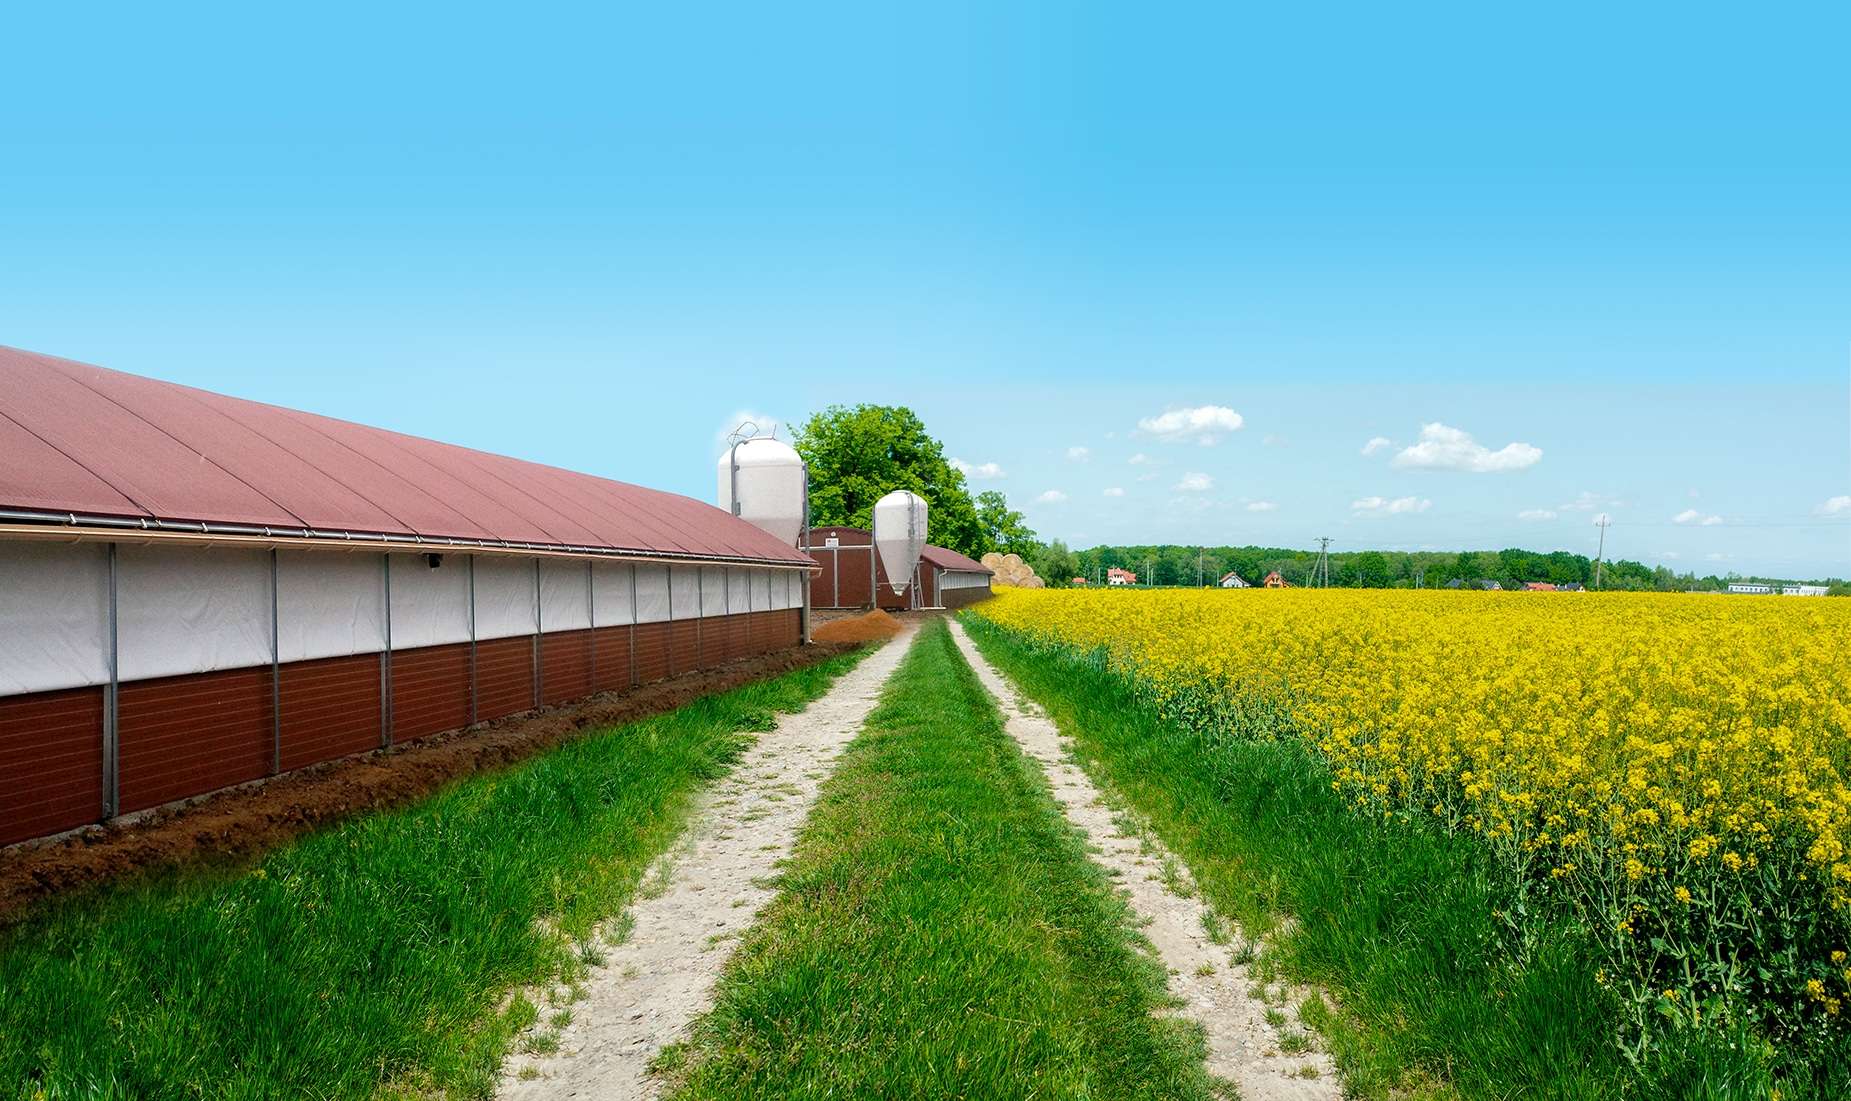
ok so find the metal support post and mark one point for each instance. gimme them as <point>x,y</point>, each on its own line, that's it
<point>385,659</point>
<point>276,670</point>
<point>111,754</point>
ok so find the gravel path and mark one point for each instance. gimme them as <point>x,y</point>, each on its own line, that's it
<point>1242,1046</point>
<point>697,900</point>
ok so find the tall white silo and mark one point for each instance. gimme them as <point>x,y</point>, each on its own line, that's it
<point>899,535</point>
<point>763,482</point>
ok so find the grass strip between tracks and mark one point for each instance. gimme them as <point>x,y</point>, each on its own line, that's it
<point>374,958</point>
<point>940,932</point>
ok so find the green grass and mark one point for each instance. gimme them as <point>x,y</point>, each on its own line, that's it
<point>940,932</point>
<point>374,958</point>
<point>1398,922</point>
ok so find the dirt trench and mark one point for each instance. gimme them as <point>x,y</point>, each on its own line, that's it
<point>240,823</point>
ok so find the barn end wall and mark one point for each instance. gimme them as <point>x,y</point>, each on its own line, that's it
<point>235,665</point>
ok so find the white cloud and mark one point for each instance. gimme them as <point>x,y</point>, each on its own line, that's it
<point>1836,506</point>
<point>748,423</point>
<point>1140,459</point>
<point>1377,444</point>
<point>1051,497</point>
<point>1205,424</point>
<point>1670,555</point>
<point>1195,482</point>
<point>1151,477</point>
<point>1078,454</point>
<point>1692,516</point>
<point>1718,556</point>
<point>1114,491</point>
<point>1275,440</point>
<point>1383,506</point>
<point>1536,514</point>
<point>1588,501</point>
<point>1261,506</point>
<point>978,472</point>
<point>1445,448</point>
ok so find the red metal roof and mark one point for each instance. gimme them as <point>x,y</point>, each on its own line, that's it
<point>94,442</point>
<point>947,559</point>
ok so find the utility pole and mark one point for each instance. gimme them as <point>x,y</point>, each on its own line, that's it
<point>1600,556</point>
<point>1320,573</point>
<point>1198,567</point>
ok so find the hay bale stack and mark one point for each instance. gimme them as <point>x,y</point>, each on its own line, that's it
<point>1010,570</point>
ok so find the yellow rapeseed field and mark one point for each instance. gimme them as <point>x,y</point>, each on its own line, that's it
<point>1641,753</point>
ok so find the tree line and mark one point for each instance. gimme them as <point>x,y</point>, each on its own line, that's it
<point>857,454</point>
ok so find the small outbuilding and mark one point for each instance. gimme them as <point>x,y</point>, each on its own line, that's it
<point>852,575</point>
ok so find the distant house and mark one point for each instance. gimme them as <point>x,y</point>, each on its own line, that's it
<point>1491,586</point>
<point>1275,581</point>
<point>1802,590</point>
<point>1232,580</point>
<point>1455,583</point>
<point>1751,588</point>
<point>1116,576</point>
<point>1538,587</point>
<point>1570,587</point>
<point>1081,581</point>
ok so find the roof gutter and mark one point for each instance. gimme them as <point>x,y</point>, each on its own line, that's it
<point>71,525</point>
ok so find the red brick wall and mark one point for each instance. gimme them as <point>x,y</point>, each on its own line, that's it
<point>330,709</point>
<point>182,736</point>
<point>565,666</point>
<point>613,659</point>
<point>504,677</point>
<point>684,645</point>
<point>430,690</point>
<point>188,735</point>
<point>651,652</point>
<point>51,762</point>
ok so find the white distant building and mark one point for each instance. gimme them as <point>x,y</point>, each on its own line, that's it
<point>1802,590</point>
<point>1233,580</point>
<point>1753,588</point>
<point>1116,576</point>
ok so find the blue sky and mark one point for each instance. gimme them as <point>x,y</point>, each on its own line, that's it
<point>591,237</point>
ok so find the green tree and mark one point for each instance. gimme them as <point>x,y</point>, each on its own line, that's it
<point>1004,529</point>
<point>1371,570</point>
<point>858,455</point>
<point>1057,566</point>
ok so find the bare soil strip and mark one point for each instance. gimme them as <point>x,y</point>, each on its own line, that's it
<point>1243,1046</point>
<point>697,900</point>
<point>244,822</point>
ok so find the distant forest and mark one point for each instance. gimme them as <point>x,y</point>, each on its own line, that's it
<point>1371,569</point>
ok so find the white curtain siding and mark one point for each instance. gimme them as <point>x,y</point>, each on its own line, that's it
<point>504,597</point>
<point>738,590</point>
<point>713,590</point>
<point>793,589</point>
<point>54,616</point>
<point>963,579</point>
<point>430,607</point>
<point>651,594</point>
<point>761,590</point>
<point>564,597</point>
<point>191,610</point>
<point>610,586</point>
<point>330,604</point>
<point>684,591</point>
